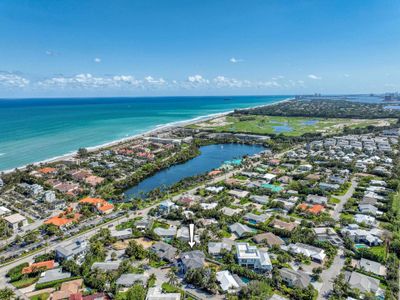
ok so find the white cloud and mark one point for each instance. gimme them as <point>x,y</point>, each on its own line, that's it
<point>346,75</point>
<point>222,81</point>
<point>11,80</point>
<point>197,79</point>
<point>49,53</point>
<point>97,60</point>
<point>90,81</point>
<point>155,81</point>
<point>314,77</point>
<point>235,60</point>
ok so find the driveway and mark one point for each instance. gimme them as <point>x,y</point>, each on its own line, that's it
<point>329,275</point>
<point>343,199</point>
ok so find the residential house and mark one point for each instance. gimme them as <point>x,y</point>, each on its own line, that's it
<point>72,250</point>
<point>328,186</point>
<point>68,290</point>
<point>144,224</point>
<point>191,260</point>
<point>106,266</point>
<point>328,234</point>
<point>279,224</point>
<point>238,193</point>
<point>368,220</point>
<point>166,206</point>
<point>251,257</point>
<point>16,221</point>
<point>315,199</point>
<point>227,211</point>
<point>164,251</point>
<point>39,266</point>
<point>155,293</point>
<point>372,267</point>
<point>255,219</point>
<point>294,278</point>
<point>53,275</point>
<point>128,280</point>
<point>315,253</point>
<point>259,199</point>
<point>227,282</point>
<point>101,205</point>
<point>268,238</point>
<point>364,283</point>
<point>165,232</point>
<point>240,230</point>
<point>215,248</point>
<point>121,234</point>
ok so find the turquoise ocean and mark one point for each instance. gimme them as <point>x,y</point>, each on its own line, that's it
<point>33,130</point>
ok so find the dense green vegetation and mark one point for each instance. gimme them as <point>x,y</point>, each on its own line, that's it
<point>324,108</point>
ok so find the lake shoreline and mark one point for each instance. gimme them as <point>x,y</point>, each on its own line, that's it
<point>157,130</point>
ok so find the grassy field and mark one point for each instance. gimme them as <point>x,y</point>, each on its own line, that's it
<point>290,126</point>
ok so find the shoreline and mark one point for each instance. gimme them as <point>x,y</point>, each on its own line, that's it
<point>157,129</point>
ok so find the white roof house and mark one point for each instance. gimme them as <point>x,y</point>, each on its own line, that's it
<point>155,293</point>
<point>369,220</point>
<point>4,211</point>
<point>227,282</point>
<point>251,256</point>
<point>314,253</point>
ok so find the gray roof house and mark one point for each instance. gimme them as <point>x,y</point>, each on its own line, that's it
<point>362,282</point>
<point>192,260</point>
<point>121,234</point>
<point>52,275</point>
<point>164,251</point>
<point>240,229</point>
<point>106,266</point>
<point>165,232</point>
<point>75,248</point>
<point>315,199</point>
<point>253,218</point>
<point>128,280</point>
<point>295,278</point>
<point>215,248</point>
<point>372,266</point>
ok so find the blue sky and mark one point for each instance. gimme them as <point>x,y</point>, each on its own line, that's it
<point>208,47</point>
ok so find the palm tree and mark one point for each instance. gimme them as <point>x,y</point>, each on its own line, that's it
<point>172,277</point>
<point>6,294</point>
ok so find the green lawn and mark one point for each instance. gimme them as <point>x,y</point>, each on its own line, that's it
<point>290,126</point>
<point>334,200</point>
<point>24,282</point>
<point>43,296</point>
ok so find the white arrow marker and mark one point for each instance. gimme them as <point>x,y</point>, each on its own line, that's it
<point>191,235</point>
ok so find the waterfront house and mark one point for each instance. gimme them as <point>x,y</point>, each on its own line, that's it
<point>144,224</point>
<point>252,257</point>
<point>101,205</point>
<point>166,206</point>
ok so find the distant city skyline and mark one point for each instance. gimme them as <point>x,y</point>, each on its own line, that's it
<point>161,48</point>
